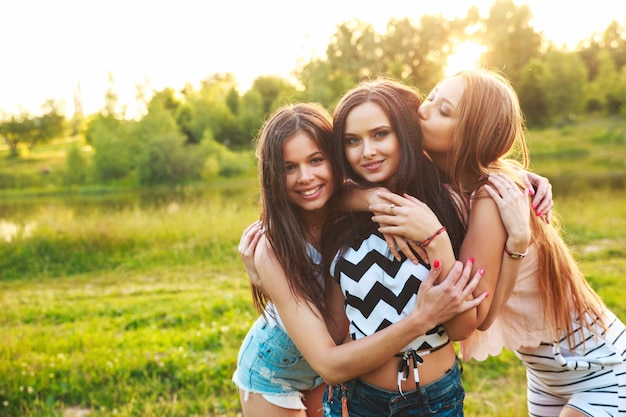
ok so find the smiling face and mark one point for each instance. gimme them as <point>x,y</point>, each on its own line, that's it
<point>439,117</point>
<point>308,173</point>
<point>370,144</point>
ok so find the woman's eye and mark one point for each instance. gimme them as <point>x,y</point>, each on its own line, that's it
<point>381,133</point>
<point>351,141</point>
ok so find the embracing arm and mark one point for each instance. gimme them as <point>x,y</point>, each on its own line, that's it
<point>355,198</point>
<point>541,191</point>
<point>484,242</point>
<point>514,211</point>
<point>338,363</point>
<point>415,221</point>
<point>247,245</point>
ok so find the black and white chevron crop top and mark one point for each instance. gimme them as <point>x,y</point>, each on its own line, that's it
<point>379,290</point>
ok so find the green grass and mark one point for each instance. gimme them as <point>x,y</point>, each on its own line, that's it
<point>133,312</point>
<point>126,312</point>
<point>590,154</point>
<point>154,339</point>
<point>162,342</point>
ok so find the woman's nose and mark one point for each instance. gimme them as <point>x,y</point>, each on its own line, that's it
<point>422,111</point>
<point>368,149</point>
<point>305,174</point>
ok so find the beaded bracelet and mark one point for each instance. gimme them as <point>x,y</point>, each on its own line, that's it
<point>427,241</point>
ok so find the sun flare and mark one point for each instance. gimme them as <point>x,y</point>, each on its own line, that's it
<point>466,55</point>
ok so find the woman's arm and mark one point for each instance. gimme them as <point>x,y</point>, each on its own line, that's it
<point>484,243</point>
<point>355,198</point>
<point>416,222</point>
<point>338,363</point>
<point>541,190</point>
<point>482,246</point>
<point>487,238</point>
<point>247,245</point>
<point>514,210</point>
<point>362,200</point>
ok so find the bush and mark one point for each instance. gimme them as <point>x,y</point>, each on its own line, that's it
<point>77,167</point>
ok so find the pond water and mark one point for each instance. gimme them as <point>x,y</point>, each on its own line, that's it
<point>19,215</point>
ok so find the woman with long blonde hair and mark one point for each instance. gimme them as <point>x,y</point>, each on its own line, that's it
<point>573,347</point>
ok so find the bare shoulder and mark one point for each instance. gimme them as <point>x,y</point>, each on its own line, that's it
<point>482,205</point>
<point>264,256</point>
<point>271,272</point>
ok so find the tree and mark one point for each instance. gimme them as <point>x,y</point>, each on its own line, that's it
<point>51,124</point>
<point>565,87</point>
<point>551,88</point>
<point>417,55</point>
<point>163,154</point>
<point>353,54</point>
<point>76,170</point>
<point>13,130</point>
<point>114,147</point>
<point>321,83</point>
<point>33,130</point>
<point>532,93</point>
<point>251,114</point>
<point>274,92</point>
<point>612,40</point>
<point>510,40</point>
<point>209,108</point>
<point>599,92</point>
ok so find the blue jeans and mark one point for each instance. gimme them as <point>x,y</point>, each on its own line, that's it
<point>270,363</point>
<point>443,398</point>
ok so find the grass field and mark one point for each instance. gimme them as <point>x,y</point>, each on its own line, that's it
<point>141,312</point>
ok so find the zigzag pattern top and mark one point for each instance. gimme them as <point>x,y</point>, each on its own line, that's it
<point>379,290</point>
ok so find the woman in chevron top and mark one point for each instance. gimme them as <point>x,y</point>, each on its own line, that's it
<point>301,309</point>
<point>378,140</point>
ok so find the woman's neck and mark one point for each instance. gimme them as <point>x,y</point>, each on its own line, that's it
<point>313,222</point>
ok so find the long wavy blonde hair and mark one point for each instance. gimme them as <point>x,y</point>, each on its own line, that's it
<point>489,135</point>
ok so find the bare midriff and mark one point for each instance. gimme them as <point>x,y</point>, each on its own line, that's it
<point>435,365</point>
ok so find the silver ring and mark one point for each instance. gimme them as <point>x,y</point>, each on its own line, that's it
<point>393,206</point>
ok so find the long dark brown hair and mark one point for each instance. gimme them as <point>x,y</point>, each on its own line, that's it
<point>417,175</point>
<point>284,228</point>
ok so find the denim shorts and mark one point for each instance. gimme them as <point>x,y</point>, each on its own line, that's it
<point>269,363</point>
<point>443,398</point>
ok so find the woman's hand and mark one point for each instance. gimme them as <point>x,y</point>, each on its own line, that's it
<point>541,190</point>
<point>404,220</point>
<point>514,210</point>
<point>452,296</point>
<point>247,245</point>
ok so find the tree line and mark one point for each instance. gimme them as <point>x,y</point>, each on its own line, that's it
<point>195,133</point>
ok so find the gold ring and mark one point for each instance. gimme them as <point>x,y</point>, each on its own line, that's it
<point>393,206</point>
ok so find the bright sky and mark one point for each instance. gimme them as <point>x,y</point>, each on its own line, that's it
<point>48,47</point>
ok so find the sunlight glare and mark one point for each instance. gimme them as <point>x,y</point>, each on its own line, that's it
<point>466,56</point>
